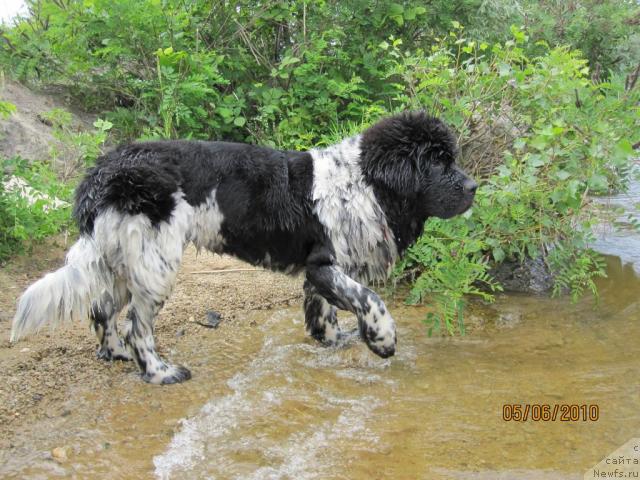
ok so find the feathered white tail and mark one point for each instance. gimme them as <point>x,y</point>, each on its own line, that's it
<point>66,294</point>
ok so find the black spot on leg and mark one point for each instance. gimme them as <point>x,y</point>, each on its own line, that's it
<point>99,319</point>
<point>140,361</point>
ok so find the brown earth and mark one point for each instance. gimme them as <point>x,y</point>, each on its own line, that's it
<point>39,374</point>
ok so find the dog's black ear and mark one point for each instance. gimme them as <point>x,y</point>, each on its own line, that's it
<point>396,150</point>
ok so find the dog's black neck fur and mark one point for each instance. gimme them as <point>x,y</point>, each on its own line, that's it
<point>403,217</point>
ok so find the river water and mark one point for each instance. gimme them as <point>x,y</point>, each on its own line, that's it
<point>268,403</point>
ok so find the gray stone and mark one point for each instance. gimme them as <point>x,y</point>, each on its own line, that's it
<point>530,276</point>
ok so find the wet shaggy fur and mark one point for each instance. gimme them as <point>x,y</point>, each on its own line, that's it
<point>342,214</point>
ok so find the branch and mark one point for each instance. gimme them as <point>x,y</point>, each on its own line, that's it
<point>230,270</point>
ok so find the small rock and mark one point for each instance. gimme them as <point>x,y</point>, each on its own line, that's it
<point>25,350</point>
<point>61,454</point>
<point>508,319</point>
<point>180,332</point>
<point>212,320</point>
<point>529,276</point>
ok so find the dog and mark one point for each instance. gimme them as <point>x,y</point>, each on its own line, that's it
<point>342,214</point>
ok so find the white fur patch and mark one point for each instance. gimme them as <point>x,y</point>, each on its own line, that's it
<point>347,208</point>
<point>147,256</point>
<point>207,222</point>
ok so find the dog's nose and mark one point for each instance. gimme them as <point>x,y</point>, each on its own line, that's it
<point>470,186</point>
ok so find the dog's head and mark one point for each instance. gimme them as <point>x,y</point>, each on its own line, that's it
<point>412,156</point>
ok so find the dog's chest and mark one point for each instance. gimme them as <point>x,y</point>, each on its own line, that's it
<point>350,214</point>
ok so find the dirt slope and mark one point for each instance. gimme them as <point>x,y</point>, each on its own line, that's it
<point>24,133</point>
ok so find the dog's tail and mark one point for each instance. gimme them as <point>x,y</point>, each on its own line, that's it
<point>66,294</point>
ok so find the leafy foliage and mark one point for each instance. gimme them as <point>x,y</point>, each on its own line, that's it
<point>6,109</point>
<point>541,123</point>
<point>569,137</point>
<point>24,222</point>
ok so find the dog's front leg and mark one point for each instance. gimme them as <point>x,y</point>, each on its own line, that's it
<point>320,316</point>
<point>376,325</point>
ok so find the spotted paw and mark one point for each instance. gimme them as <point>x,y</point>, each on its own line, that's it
<point>381,339</point>
<point>167,375</point>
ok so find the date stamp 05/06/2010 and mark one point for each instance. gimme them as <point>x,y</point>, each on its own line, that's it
<point>544,412</point>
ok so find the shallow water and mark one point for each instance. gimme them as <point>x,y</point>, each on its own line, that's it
<point>301,411</point>
<point>274,405</point>
<point>623,241</point>
<point>268,403</point>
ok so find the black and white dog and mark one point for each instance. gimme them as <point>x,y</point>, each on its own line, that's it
<point>342,214</point>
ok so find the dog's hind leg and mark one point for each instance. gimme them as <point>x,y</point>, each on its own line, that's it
<point>152,258</point>
<point>141,343</point>
<point>104,316</point>
<point>376,325</point>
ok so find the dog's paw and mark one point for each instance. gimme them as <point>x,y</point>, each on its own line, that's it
<point>380,338</point>
<point>167,375</point>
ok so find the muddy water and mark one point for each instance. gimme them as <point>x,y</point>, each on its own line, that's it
<point>268,403</point>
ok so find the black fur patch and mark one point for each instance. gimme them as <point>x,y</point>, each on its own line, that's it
<point>132,180</point>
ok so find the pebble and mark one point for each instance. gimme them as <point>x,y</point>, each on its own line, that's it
<point>25,350</point>
<point>212,320</point>
<point>60,454</point>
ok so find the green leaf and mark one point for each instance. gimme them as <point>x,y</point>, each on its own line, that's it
<point>395,9</point>
<point>399,19</point>
<point>239,121</point>
<point>225,112</point>
<point>598,183</point>
<point>498,254</point>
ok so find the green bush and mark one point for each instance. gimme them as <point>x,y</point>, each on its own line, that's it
<point>279,72</point>
<point>24,223</point>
